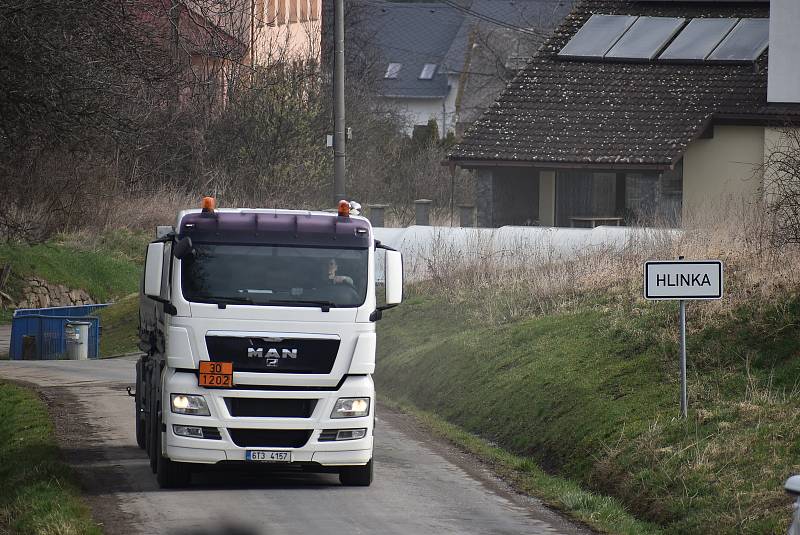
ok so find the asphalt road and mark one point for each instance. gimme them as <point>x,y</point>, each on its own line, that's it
<point>422,486</point>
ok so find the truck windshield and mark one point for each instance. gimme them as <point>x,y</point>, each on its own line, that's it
<point>275,275</point>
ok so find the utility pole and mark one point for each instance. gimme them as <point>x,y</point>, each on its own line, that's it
<point>339,149</point>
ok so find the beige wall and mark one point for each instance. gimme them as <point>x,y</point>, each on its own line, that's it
<point>286,30</point>
<point>722,169</point>
<point>547,198</point>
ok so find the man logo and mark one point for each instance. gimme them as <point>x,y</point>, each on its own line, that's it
<point>271,354</point>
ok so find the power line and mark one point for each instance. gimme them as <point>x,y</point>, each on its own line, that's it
<point>492,20</point>
<point>455,5</point>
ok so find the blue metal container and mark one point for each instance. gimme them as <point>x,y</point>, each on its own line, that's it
<point>47,325</point>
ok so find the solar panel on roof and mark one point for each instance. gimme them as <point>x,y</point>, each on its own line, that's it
<point>597,36</point>
<point>698,39</point>
<point>746,41</point>
<point>645,38</point>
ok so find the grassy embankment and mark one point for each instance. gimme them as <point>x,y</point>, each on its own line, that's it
<point>107,266</point>
<point>591,394</point>
<point>120,323</point>
<point>38,493</point>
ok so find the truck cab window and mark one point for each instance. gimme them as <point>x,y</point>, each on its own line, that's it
<point>280,275</point>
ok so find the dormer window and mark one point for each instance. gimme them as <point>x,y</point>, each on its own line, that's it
<point>428,71</point>
<point>393,70</point>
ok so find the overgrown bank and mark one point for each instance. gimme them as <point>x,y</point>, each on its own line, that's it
<point>107,266</point>
<point>38,493</point>
<point>591,394</point>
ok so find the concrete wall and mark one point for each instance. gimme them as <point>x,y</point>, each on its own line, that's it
<point>722,169</point>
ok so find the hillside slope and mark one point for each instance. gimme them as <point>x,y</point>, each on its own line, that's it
<point>592,394</point>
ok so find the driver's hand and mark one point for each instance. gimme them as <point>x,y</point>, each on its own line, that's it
<point>343,278</point>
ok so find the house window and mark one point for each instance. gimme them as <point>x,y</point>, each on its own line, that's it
<point>292,11</point>
<point>315,9</point>
<point>427,71</point>
<point>654,199</point>
<point>393,70</point>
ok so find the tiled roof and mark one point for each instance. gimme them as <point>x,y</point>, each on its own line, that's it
<point>565,112</point>
<point>414,34</point>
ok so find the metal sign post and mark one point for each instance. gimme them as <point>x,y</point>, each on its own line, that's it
<point>682,280</point>
<point>684,403</point>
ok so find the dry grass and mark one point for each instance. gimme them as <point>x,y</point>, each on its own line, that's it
<point>539,274</point>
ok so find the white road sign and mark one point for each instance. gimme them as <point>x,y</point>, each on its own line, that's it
<point>683,279</point>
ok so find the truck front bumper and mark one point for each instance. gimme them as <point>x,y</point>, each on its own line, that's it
<point>305,436</point>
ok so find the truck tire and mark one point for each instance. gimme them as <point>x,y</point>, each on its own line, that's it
<point>356,476</point>
<point>139,415</point>
<point>170,474</point>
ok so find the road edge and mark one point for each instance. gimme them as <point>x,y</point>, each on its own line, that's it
<point>57,469</point>
<point>520,478</point>
<point>72,431</point>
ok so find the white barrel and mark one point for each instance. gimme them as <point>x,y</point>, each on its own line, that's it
<point>77,338</point>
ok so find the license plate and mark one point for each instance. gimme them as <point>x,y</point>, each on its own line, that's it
<point>216,374</point>
<point>264,456</point>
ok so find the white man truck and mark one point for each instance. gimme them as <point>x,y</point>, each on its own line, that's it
<point>258,333</point>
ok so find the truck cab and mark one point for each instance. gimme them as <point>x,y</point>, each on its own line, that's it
<point>258,333</point>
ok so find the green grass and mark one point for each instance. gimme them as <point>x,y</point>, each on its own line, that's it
<point>107,266</point>
<point>592,396</point>
<point>38,494</point>
<point>600,512</point>
<point>120,327</point>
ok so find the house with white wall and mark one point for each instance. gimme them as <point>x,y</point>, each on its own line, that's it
<point>449,61</point>
<point>638,111</point>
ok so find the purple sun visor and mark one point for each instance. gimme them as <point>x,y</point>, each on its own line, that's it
<point>313,230</point>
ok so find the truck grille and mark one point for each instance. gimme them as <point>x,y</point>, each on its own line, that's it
<point>270,408</point>
<point>270,438</point>
<point>290,355</point>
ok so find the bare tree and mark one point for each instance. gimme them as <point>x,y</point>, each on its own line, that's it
<point>782,184</point>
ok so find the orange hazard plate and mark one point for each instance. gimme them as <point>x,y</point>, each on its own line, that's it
<point>216,374</point>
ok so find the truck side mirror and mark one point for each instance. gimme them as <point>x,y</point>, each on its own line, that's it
<point>394,277</point>
<point>153,266</point>
<point>183,248</point>
<point>792,486</point>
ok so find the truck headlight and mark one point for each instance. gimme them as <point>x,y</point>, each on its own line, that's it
<point>189,404</point>
<point>350,408</point>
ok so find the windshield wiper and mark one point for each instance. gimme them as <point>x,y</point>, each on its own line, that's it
<point>221,302</point>
<point>325,305</point>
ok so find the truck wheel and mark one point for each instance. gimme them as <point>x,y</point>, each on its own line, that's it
<point>356,476</point>
<point>170,474</point>
<point>137,401</point>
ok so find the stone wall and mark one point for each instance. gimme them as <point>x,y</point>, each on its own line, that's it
<point>38,293</point>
